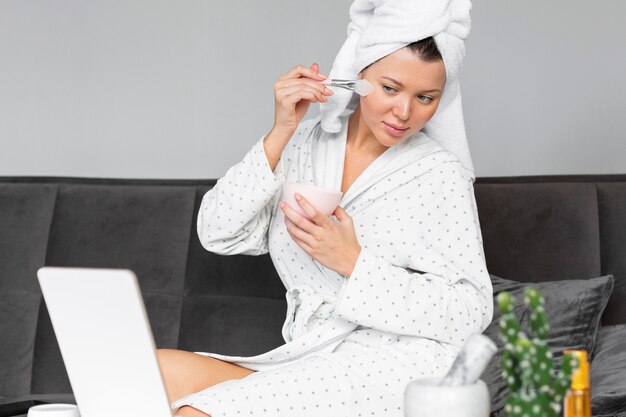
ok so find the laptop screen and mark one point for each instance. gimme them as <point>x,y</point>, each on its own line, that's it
<point>105,339</point>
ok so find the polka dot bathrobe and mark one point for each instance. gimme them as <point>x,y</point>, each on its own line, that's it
<point>419,289</point>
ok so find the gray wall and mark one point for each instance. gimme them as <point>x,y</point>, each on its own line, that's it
<point>544,85</point>
<point>181,89</point>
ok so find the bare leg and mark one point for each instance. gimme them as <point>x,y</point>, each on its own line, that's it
<point>185,373</point>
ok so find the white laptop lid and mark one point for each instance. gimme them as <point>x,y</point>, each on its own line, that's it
<point>105,339</point>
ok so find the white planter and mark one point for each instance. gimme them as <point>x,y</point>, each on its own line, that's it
<point>424,398</point>
<point>54,410</point>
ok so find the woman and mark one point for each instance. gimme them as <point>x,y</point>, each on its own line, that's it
<point>385,294</point>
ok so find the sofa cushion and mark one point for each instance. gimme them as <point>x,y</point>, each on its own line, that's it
<point>164,312</point>
<point>26,212</point>
<point>25,216</point>
<point>574,308</point>
<point>18,407</point>
<point>19,311</point>
<point>212,274</point>
<point>608,371</point>
<point>239,326</point>
<point>142,228</point>
<point>540,232</point>
<point>611,206</point>
<point>48,375</point>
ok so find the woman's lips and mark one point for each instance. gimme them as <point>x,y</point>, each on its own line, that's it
<point>393,131</point>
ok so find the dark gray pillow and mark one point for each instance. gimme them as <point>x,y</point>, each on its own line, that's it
<point>574,308</point>
<point>608,371</point>
<point>18,324</point>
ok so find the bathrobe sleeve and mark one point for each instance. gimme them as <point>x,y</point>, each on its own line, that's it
<point>235,214</point>
<point>446,293</point>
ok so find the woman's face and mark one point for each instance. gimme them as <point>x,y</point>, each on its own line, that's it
<point>406,94</point>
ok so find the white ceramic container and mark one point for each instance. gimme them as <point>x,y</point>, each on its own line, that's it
<point>425,398</point>
<point>54,410</point>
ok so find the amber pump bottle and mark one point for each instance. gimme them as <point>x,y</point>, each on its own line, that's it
<point>577,402</point>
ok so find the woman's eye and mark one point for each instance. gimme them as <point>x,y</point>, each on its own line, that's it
<point>388,89</point>
<point>425,99</point>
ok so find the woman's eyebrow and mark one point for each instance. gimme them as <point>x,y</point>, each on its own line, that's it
<point>393,81</point>
<point>402,85</point>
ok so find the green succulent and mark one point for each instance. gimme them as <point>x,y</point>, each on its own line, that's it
<point>535,389</point>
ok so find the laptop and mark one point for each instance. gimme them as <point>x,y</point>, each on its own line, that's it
<point>103,331</point>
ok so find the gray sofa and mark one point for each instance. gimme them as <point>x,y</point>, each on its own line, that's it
<point>548,228</point>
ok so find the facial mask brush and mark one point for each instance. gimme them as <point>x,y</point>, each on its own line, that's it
<point>361,87</point>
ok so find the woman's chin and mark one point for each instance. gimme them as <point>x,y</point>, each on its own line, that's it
<point>388,140</point>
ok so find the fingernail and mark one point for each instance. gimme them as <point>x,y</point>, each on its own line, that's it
<point>282,204</point>
<point>298,197</point>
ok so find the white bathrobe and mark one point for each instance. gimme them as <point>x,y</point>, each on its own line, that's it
<point>419,289</point>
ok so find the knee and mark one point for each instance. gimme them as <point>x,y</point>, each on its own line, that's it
<point>167,361</point>
<point>170,365</point>
<point>165,354</point>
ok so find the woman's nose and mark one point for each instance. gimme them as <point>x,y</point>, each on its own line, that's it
<point>402,111</point>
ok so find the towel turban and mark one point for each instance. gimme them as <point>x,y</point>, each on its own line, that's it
<point>378,28</point>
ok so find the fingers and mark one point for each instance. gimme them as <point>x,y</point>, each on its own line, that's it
<point>299,228</point>
<point>301,85</point>
<point>341,214</point>
<point>311,211</point>
<point>303,82</point>
<point>298,96</point>
<point>294,92</point>
<point>304,78</point>
<point>317,218</point>
<point>300,71</point>
<point>299,220</point>
<point>299,236</point>
<point>289,87</point>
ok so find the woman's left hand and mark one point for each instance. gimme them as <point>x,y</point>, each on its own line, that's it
<point>332,244</point>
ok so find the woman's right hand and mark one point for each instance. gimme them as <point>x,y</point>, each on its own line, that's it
<point>294,92</point>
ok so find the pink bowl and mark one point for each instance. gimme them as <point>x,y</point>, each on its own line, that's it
<point>325,200</point>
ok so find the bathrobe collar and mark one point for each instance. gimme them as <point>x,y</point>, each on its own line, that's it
<point>329,158</point>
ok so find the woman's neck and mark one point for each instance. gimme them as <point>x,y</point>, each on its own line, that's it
<point>360,138</point>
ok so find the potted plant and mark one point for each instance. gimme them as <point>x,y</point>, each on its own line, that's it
<point>535,388</point>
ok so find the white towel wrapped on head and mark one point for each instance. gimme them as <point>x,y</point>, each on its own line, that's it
<point>379,27</point>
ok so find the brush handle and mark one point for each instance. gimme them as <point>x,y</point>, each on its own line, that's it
<point>349,84</point>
